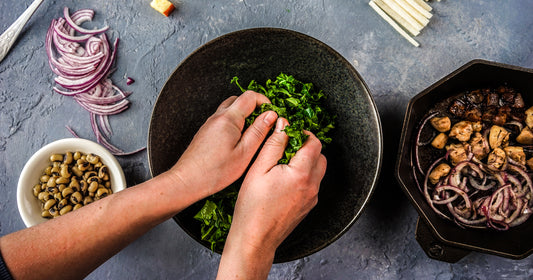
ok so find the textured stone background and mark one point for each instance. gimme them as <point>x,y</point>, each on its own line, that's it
<point>381,244</point>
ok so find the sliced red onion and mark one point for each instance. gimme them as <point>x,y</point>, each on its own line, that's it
<point>82,64</point>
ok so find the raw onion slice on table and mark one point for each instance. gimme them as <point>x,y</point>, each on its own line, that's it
<point>82,60</point>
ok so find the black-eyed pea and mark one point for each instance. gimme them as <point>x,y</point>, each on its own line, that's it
<point>56,157</point>
<point>74,183</point>
<point>43,187</point>
<point>46,214</point>
<point>56,164</point>
<point>55,170</point>
<point>76,155</point>
<point>107,184</point>
<point>76,171</point>
<point>98,165</point>
<point>51,181</point>
<point>54,211</point>
<point>87,200</point>
<point>49,203</point>
<point>77,206</point>
<point>36,190</point>
<point>62,180</point>
<point>52,190</point>
<point>44,178</point>
<point>65,210</point>
<point>62,203</point>
<point>102,192</point>
<point>84,186</point>
<point>61,187</point>
<point>58,196</point>
<point>89,174</point>
<point>45,196</point>
<point>93,187</point>
<point>76,198</point>
<point>69,157</point>
<point>102,171</point>
<point>67,191</point>
<point>92,158</point>
<point>83,165</point>
<point>48,171</point>
<point>92,179</point>
<point>65,172</point>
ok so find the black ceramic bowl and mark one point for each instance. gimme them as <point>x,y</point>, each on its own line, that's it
<point>450,242</point>
<point>202,81</point>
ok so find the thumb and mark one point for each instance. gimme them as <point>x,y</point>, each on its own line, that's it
<point>273,148</point>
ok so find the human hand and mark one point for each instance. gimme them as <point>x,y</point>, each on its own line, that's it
<point>273,199</point>
<point>220,152</point>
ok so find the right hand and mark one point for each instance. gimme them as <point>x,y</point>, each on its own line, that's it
<point>274,197</point>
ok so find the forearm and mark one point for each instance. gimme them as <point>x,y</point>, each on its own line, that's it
<point>73,245</point>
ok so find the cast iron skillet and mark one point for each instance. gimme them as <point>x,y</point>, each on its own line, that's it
<point>202,81</point>
<point>440,238</point>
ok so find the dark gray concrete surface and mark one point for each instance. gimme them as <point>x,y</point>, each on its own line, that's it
<point>381,244</point>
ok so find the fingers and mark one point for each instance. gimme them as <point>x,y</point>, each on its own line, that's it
<point>226,103</point>
<point>255,134</point>
<point>246,103</point>
<point>309,157</point>
<point>273,148</point>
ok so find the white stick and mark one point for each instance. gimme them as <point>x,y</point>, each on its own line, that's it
<point>421,10</point>
<point>424,5</point>
<point>403,13</point>
<point>413,12</point>
<point>393,24</point>
<point>394,15</point>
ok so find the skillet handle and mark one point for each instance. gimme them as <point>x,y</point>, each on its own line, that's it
<point>434,248</point>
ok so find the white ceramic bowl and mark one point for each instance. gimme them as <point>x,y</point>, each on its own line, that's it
<point>29,206</point>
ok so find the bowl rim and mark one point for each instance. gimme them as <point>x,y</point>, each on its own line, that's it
<point>34,162</point>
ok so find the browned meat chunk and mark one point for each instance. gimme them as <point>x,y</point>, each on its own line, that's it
<point>525,137</point>
<point>516,153</point>
<point>439,141</point>
<point>497,158</point>
<point>462,131</point>
<point>479,146</point>
<point>529,117</point>
<point>457,153</point>
<point>442,170</point>
<point>498,137</point>
<point>442,124</point>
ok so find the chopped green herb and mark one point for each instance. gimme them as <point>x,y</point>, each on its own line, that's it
<point>304,109</point>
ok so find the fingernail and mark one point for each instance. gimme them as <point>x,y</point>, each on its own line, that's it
<point>270,117</point>
<point>279,125</point>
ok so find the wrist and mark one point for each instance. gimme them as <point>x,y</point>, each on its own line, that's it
<point>243,259</point>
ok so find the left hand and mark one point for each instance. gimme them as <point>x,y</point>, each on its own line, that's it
<point>220,152</point>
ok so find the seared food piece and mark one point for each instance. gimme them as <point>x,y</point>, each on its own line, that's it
<point>498,137</point>
<point>440,141</point>
<point>525,137</point>
<point>479,146</point>
<point>442,170</point>
<point>462,131</point>
<point>457,153</point>
<point>516,153</point>
<point>497,158</point>
<point>529,117</point>
<point>441,124</point>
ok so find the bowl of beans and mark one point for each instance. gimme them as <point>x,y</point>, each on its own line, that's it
<point>64,176</point>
